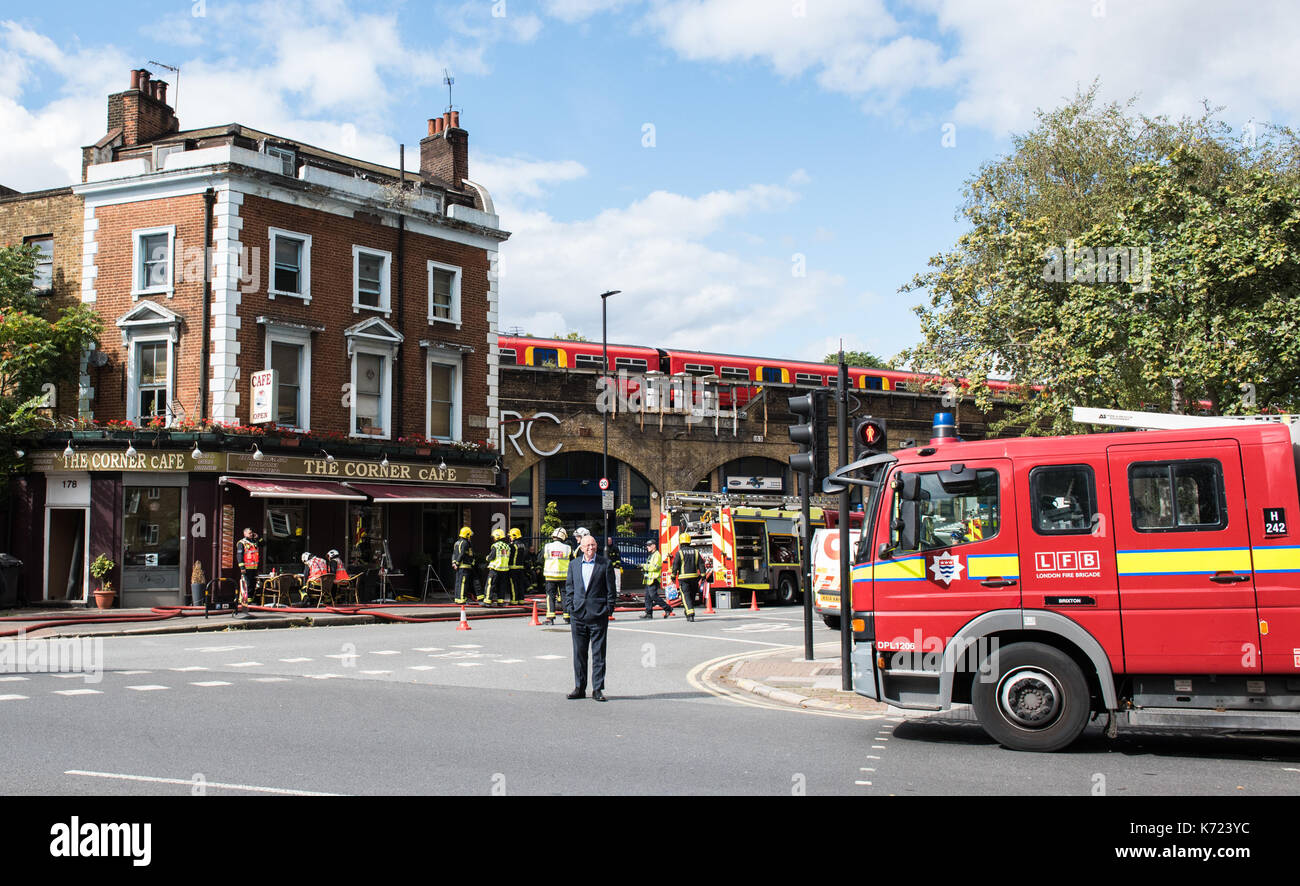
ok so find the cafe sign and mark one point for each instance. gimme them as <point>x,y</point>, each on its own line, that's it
<point>155,461</point>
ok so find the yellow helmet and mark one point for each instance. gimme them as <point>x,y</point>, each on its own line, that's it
<point>515,533</point>
<point>466,532</point>
<point>684,538</point>
<point>498,534</point>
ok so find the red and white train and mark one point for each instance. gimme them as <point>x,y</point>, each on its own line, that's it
<point>637,359</point>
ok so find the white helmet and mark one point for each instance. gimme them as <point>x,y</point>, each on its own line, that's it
<point>581,532</point>
<point>559,534</point>
<point>333,554</point>
<point>306,556</point>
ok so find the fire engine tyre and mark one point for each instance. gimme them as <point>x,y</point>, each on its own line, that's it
<point>832,622</point>
<point>1039,701</point>
<point>787,591</point>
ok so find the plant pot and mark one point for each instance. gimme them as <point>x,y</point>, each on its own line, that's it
<point>104,599</point>
<point>196,593</point>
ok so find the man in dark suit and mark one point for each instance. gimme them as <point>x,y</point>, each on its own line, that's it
<point>589,595</point>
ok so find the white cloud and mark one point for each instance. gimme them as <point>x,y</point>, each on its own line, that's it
<point>577,10</point>
<point>511,178</point>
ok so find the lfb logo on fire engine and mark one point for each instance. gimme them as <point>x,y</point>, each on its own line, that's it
<point>947,568</point>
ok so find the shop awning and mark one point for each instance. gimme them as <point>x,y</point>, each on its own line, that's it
<point>385,492</point>
<point>295,489</point>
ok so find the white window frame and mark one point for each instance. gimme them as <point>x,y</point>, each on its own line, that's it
<point>292,335</point>
<point>287,156</point>
<point>455,293</point>
<point>457,387</point>
<point>304,270</point>
<point>386,391</point>
<point>385,277</point>
<point>133,374</point>
<point>137,282</point>
<point>32,241</point>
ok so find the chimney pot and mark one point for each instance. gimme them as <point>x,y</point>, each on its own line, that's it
<point>430,126</point>
<point>455,120</point>
<point>162,91</point>
<point>446,119</point>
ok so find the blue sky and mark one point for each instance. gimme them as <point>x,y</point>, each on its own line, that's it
<point>787,135</point>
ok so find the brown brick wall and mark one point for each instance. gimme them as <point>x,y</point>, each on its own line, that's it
<point>333,237</point>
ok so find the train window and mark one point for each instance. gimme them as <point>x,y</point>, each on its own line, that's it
<point>1063,498</point>
<point>546,356</point>
<point>873,383</point>
<point>808,378</point>
<point>699,369</point>
<point>1179,496</point>
<point>902,386</point>
<point>735,373</point>
<point>508,357</point>
<point>773,374</point>
<point>588,361</point>
<point>633,363</point>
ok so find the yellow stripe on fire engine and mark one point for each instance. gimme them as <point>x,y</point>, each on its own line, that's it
<point>1188,562</point>
<point>909,569</point>
<point>990,565</point>
<point>1277,559</point>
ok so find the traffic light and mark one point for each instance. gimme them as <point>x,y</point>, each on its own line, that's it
<point>813,458</point>
<point>869,437</point>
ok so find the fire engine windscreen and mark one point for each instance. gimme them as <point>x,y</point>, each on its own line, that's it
<point>969,512</point>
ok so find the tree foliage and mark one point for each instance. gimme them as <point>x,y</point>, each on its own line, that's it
<point>1124,261</point>
<point>624,513</point>
<point>865,359</point>
<point>572,336</point>
<point>551,519</point>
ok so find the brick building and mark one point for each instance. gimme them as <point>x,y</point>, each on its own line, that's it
<point>216,255</point>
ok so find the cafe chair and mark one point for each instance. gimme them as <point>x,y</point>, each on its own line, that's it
<point>347,587</point>
<point>322,589</point>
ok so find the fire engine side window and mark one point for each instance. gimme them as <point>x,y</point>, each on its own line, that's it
<point>1064,499</point>
<point>950,519</point>
<point>1177,496</point>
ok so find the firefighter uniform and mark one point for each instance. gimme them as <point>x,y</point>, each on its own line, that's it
<point>247,558</point>
<point>462,560</point>
<point>498,568</point>
<point>653,570</point>
<point>518,575</point>
<point>686,571</point>
<point>555,571</point>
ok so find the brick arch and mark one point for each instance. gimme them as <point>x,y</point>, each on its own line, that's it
<point>531,459</point>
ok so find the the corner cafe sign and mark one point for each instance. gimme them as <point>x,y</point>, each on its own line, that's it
<point>52,461</point>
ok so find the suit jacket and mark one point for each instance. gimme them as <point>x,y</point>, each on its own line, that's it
<point>593,602</point>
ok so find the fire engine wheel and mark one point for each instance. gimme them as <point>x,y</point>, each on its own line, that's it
<point>787,591</point>
<point>832,622</point>
<point>1037,701</point>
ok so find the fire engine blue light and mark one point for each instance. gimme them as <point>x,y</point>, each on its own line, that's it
<point>945,427</point>
<point>944,419</point>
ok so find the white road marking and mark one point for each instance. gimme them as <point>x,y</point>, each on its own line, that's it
<point>427,649</point>
<point>12,697</point>
<point>466,646</point>
<point>873,756</point>
<point>322,676</point>
<point>245,664</point>
<point>865,769</point>
<point>190,668</point>
<point>190,783</point>
<point>77,692</point>
<point>271,680</point>
<point>700,636</point>
<point>11,679</point>
<point>867,783</point>
<point>216,648</point>
<point>878,747</point>
<point>376,672</point>
<point>385,652</point>
<point>549,657</point>
<point>211,683</point>
<point>294,660</point>
<point>509,660</point>
<point>67,676</point>
<point>133,673</point>
<point>149,687</point>
<point>469,664</point>
<point>342,655</point>
<point>420,668</point>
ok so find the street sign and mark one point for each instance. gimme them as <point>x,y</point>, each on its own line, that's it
<point>604,483</point>
<point>607,500</point>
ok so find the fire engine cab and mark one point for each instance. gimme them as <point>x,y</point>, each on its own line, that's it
<point>1152,576</point>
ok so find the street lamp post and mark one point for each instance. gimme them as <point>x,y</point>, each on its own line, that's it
<point>604,347</point>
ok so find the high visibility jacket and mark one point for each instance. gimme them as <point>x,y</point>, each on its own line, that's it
<point>317,569</point>
<point>499,557</point>
<point>686,564</point>
<point>653,566</point>
<point>517,554</point>
<point>249,556</point>
<point>555,561</point>
<point>462,554</point>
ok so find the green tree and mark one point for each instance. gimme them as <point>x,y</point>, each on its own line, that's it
<point>551,519</point>
<point>1114,259</point>
<point>572,336</point>
<point>623,514</point>
<point>865,359</point>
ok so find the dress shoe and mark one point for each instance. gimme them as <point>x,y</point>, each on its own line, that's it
<point>577,693</point>
<point>599,696</point>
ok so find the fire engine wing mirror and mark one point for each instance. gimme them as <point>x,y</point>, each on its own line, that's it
<point>909,525</point>
<point>908,486</point>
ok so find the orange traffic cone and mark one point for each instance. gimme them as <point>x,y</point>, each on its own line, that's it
<point>535,623</point>
<point>753,601</point>
<point>464,622</point>
<point>708,601</point>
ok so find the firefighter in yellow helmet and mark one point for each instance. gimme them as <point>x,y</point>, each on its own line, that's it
<point>555,571</point>
<point>498,568</point>
<point>686,572</point>
<point>518,555</point>
<point>653,570</point>
<point>462,560</point>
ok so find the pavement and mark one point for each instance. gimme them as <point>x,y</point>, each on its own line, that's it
<point>781,677</point>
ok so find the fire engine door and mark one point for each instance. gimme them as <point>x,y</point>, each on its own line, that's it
<point>1182,552</point>
<point>965,564</point>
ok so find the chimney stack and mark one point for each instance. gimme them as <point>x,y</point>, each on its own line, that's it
<point>141,112</point>
<point>444,154</point>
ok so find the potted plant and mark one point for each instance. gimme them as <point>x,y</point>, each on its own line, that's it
<point>99,569</point>
<point>197,580</point>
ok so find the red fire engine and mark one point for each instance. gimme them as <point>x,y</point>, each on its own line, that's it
<point>1151,576</point>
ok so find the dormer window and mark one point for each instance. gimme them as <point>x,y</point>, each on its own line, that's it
<point>288,158</point>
